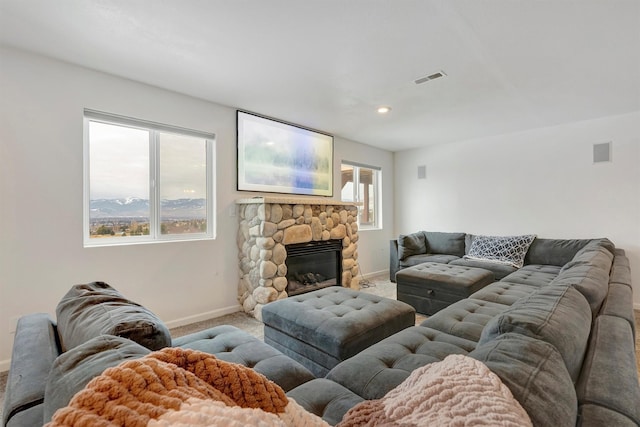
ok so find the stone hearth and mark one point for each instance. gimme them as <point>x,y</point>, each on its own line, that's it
<point>268,224</point>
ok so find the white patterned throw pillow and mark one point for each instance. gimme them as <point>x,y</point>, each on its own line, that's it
<point>509,250</point>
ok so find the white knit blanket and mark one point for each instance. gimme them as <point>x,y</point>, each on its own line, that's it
<point>459,391</point>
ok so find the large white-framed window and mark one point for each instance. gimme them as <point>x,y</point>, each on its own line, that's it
<point>363,184</point>
<point>146,182</point>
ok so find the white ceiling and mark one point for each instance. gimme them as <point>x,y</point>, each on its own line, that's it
<point>511,65</point>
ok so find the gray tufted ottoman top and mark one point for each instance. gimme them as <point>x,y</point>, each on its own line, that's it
<point>452,278</point>
<point>337,321</point>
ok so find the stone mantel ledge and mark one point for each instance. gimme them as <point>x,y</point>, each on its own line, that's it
<point>295,201</point>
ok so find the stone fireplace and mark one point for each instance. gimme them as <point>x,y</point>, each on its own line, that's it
<point>270,227</point>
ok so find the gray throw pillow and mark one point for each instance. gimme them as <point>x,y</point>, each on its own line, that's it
<point>509,250</point>
<point>411,244</point>
<point>94,309</point>
<point>73,370</point>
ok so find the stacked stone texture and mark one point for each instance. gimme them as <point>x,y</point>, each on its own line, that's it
<point>266,229</point>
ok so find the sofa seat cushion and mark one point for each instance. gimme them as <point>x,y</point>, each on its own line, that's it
<point>558,315</point>
<point>611,350</point>
<point>420,259</point>
<point>325,398</point>
<point>465,318</point>
<point>499,270</point>
<point>95,309</point>
<point>504,292</point>
<point>381,367</point>
<point>535,275</point>
<point>72,370</point>
<point>234,345</point>
<point>536,375</point>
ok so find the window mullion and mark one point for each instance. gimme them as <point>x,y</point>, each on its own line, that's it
<point>210,186</point>
<point>154,185</point>
<point>356,184</point>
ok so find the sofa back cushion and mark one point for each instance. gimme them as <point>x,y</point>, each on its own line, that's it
<point>536,375</point>
<point>411,244</point>
<point>94,309</point>
<point>553,251</point>
<point>445,243</point>
<point>556,314</point>
<point>72,370</point>
<point>588,272</point>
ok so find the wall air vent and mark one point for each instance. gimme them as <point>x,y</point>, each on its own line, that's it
<point>430,77</point>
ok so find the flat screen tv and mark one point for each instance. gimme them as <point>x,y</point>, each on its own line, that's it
<point>279,157</point>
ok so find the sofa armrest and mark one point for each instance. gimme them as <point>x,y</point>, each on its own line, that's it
<point>609,377</point>
<point>35,347</point>
<point>394,261</point>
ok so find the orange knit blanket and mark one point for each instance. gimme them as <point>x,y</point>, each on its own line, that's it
<point>177,386</point>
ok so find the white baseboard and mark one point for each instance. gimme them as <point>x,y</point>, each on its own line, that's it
<point>636,306</point>
<point>203,316</point>
<point>4,365</point>
<point>375,273</point>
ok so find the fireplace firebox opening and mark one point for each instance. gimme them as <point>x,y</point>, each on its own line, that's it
<point>313,265</point>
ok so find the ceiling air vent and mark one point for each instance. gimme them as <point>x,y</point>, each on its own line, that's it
<point>430,77</point>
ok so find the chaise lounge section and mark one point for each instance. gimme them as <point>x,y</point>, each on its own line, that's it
<point>559,332</point>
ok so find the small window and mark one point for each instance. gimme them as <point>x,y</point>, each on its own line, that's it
<point>362,184</point>
<point>146,182</point>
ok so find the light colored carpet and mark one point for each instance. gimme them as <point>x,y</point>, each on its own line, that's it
<point>378,285</point>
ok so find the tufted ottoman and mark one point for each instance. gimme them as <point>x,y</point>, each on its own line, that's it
<point>432,286</point>
<point>320,329</point>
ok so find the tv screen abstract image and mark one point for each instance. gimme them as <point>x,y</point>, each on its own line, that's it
<point>278,157</point>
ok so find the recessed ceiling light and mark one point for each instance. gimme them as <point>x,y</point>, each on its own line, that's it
<point>384,109</point>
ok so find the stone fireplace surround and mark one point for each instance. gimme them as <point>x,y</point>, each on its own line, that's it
<point>268,224</point>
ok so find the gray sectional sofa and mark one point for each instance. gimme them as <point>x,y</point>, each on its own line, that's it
<point>559,332</point>
<point>96,328</point>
